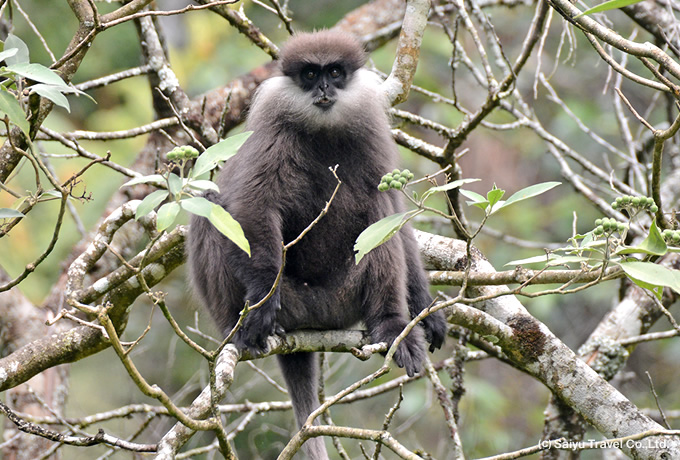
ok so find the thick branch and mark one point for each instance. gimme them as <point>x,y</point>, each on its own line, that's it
<point>398,84</point>
<point>532,347</point>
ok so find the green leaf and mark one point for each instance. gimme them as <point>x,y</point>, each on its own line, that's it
<point>11,107</point>
<point>652,276</point>
<point>553,260</point>
<point>494,195</point>
<point>523,194</point>
<point>654,244</point>
<point>380,232</point>
<point>198,205</point>
<point>606,6</point>
<point>447,187</point>
<point>174,184</point>
<point>52,193</point>
<point>166,215</point>
<point>21,56</point>
<point>475,199</point>
<point>530,260</point>
<point>203,185</point>
<point>8,53</point>
<point>592,244</point>
<point>228,226</point>
<point>8,213</point>
<point>52,93</point>
<point>586,239</point>
<point>219,152</point>
<point>37,72</point>
<point>149,203</point>
<point>144,180</point>
<point>563,260</point>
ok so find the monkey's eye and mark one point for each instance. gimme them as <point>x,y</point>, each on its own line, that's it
<point>309,74</point>
<point>335,72</point>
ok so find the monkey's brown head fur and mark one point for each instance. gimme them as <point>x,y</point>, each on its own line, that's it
<point>321,48</point>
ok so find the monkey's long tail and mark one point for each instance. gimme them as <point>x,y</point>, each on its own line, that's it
<point>300,371</point>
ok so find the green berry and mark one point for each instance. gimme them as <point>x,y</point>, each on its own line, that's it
<point>383,187</point>
<point>625,199</point>
<point>411,176</point>
<point>676,237</point>
<point>606,225</point>
<point>396,172</point>
<point>654,208</point>
<point>184,152</point>
<point>636,201</point>
<point>615,205</point>
<point>403,180</point>
<point>621,227</point>
<point>396,185</point>
<point>599,230</point>
<point>598,222</point>
<point>387,178</point>
<point>190,152</point>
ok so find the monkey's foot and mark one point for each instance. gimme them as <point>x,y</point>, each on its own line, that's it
<point>435,329</point>
<point>258,325</point>
<point>410,351</point>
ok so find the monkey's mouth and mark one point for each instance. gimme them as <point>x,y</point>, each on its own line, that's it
<point>324,102</point>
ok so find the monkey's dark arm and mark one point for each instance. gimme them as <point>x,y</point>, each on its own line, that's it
<point>418,293</point>
<point>257,274</point>
<point>231,278</point>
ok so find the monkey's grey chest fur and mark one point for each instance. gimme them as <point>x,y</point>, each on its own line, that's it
<point>325,254</point>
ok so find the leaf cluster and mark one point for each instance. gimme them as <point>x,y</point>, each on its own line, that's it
<point>179,190</point>
<point>381,231</point>
<point>20,78</point>
<point>605,245</point>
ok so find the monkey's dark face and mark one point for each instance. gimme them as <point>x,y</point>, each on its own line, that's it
<point>321,86</point>
<point>322,82</point>
<point>320,96</point>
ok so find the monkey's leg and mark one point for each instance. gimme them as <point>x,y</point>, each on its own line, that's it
<point>300,371</point>
<point>418,293</point>
<point>384,304</point>
<point>212,278</point>
<point>225,270</point>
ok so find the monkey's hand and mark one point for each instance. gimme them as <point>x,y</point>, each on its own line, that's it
<point>410,351</point>
<point>258,325</point>
<point>435,329</point>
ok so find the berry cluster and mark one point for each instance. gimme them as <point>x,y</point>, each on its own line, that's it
<point>396,180</point>
<point>640,202</point>
<point>608,226</point>
<point>185,152</point>
<point>671,236</point>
